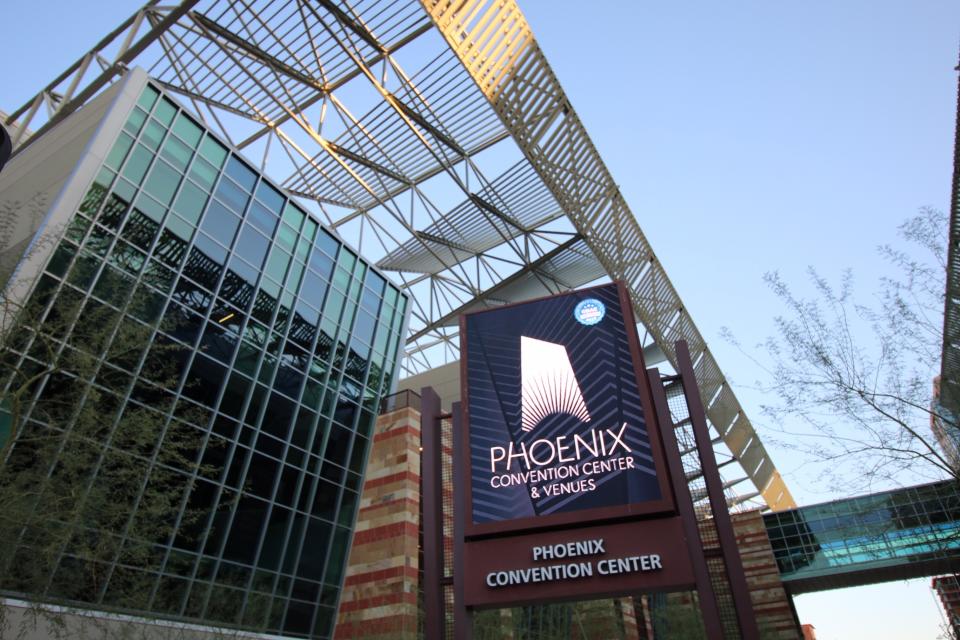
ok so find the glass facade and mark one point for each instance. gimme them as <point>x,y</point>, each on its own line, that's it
<point>283,341</point>
<point>904,526</point>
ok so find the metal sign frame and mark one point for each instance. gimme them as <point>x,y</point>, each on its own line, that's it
<point>665,505</point>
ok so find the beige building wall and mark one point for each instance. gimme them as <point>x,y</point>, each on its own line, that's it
<point>41,187</point>
<point>444,379</point>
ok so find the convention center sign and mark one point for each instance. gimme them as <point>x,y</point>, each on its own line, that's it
<point>567,492</point>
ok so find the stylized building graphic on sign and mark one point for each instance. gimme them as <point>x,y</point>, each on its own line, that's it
<point>548,384</point>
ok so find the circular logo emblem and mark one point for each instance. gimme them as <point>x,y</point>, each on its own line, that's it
<point>589,311</point>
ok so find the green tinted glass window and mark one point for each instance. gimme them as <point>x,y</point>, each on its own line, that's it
<point>347,260</point>
<point>359,270</point>
<point>97,192</point>
<point>135,121</point>
<point>190,202</point>
<point>127,257</point>
<point>150,207</point>
<point>188,130</point>
<point>124,190</point>
<point>286,238</point>
<point>310,230</point>
<point>277,265</point>
<point>165,112</point>
<point>176,153</point>
<point>204,173</point>
<point>148,97</point>
<point>293,216</point>
<point>119,151</point>
<point>78,228</point>
<point>390,296</point>
<point>163,182</point>
<point>179,227</point>
<point>303,249</point>
<point>61,259</point>
<point>213,151</point>
<point>137,164</point>
<point>153,135</point>
<point>341,279</point>
<point>293,279</point>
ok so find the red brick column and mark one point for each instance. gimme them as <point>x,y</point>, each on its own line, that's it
<point>379,599</point>
<point>771,603</point>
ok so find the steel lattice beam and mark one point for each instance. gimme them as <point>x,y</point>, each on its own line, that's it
<point>410,181</point>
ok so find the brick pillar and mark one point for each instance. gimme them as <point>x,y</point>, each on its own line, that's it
<point>379,599</point>
<point>771,603</point>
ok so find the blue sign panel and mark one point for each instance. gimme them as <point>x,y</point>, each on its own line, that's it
<point>555,410</point>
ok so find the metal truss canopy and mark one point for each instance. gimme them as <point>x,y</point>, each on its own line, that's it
<point>434,137</point>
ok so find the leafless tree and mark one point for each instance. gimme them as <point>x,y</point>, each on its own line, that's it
<point>850,378</point>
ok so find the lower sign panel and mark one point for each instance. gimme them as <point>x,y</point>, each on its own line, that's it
<point>581,563</point>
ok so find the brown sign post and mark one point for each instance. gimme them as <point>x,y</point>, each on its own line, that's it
<point>567,485</point>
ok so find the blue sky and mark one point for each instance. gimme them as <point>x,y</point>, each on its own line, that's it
<point>752,136</point>
<point>745,136</point>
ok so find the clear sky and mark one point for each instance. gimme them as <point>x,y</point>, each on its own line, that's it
<point>746,136</point>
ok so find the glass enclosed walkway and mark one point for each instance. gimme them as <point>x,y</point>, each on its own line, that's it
<point>899,534</point>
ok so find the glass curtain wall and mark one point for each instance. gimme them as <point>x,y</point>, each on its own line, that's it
<point>284,341</point>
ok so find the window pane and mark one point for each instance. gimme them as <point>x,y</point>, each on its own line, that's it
<point>202,268</point>
<point>232,195</point>
<point>177,153</point>
<point>165,112</point>
<point>270,196</point>
<point>287,238</point>
<point>137,164</point>
<point>204,173</point>
<point>293,277</point>
<point>262,218</point>
<point>327,243</point>
<point>210,250</point>
<point>252,246</point>
<point>213,151</point>
<point>322,264</point>
<point>163,183</point>
<point>277,265</point>
<point>135,121</point>
<point>148,97</point>
<point>313,290</point>
<point>188,130</point>
<point>119,151</point>
<point>303,249</point>
<point>244,271</point>
<point>153,135</point>
<point>244,176</point>
<point>220,223</point>
<point>310,230</point>
<point>97,193</point>
<point>293,216</point>
<point>150,207</point>
<point>190,202</point>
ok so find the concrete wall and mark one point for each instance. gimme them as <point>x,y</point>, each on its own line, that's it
<point>444,379</point>
<point>27,621</point>
<point>41,188</point>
